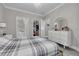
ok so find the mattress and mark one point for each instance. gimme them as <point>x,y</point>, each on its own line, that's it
<point>29,47</point>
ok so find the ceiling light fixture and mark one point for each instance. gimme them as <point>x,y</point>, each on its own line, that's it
<point>37,5</point>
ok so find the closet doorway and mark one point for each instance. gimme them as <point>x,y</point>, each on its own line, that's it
<point>36,28</point>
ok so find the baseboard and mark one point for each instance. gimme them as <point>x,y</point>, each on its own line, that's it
<point>75,48</point>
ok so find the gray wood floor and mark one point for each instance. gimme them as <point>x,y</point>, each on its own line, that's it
<point>69,52</point>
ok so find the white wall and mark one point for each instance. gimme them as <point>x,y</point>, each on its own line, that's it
<point>1,11</point>
<point>71,13</point>
<point>10,19</point>
<point>1,18</point>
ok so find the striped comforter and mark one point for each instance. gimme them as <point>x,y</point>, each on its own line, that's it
<point>29,47</point>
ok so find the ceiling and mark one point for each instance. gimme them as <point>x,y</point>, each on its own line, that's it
<point>36,8</point>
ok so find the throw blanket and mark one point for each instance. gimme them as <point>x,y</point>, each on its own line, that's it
<point>29,47</point>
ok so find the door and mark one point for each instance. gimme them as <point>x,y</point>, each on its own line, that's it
<point>36,28</point>
<point>20,28</point>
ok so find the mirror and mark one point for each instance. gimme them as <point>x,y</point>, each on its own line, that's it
<point>36,28</point>
<point>61,24</point>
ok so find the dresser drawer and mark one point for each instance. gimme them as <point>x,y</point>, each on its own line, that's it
<point>62,37</point>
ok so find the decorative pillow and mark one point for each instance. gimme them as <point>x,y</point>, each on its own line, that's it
<point>3,40</point>
<point>9,36</point>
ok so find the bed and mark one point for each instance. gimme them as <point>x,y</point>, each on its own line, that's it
<point>29,47</point>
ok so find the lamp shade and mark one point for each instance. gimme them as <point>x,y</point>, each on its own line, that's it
<point>2,24</point>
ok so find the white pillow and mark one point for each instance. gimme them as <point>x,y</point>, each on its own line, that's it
<point>8,36</point>
<point>3,40</point>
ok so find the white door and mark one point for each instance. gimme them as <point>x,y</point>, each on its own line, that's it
<point>42,28</point>
<point>20,28</point>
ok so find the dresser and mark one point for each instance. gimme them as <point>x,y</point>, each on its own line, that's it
<point>61,37</point>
